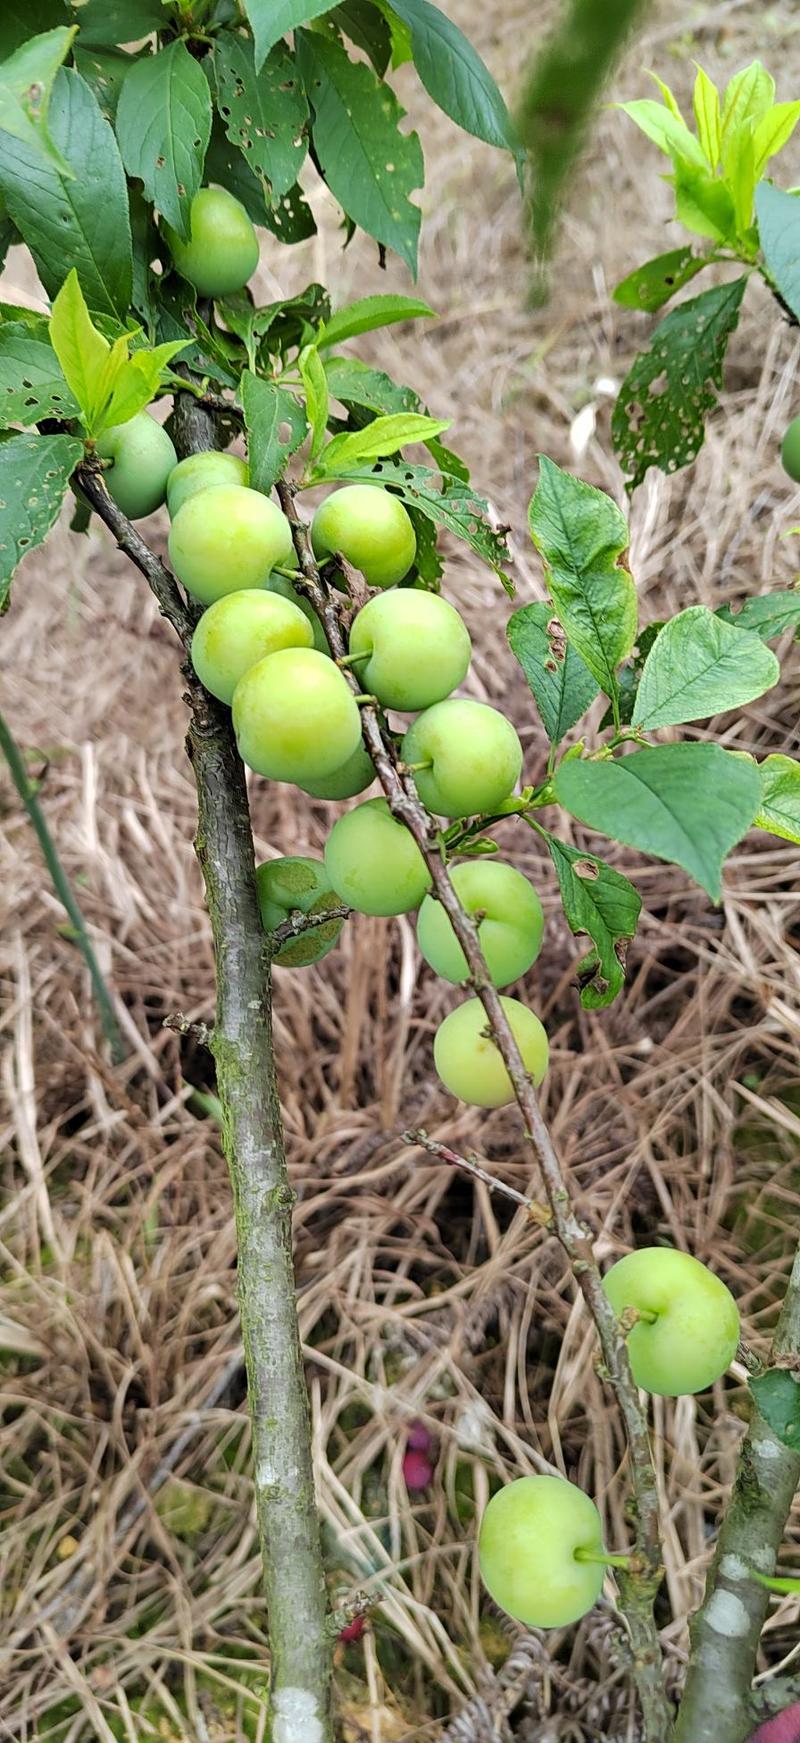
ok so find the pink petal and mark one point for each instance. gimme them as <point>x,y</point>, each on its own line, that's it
<point>784,1728</point>
<point>352,1630</point>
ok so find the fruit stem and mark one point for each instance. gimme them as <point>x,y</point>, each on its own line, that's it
<point>415,768</point>
<point>354,659</point>
<point>602,1558</point>
<point>363,699</point>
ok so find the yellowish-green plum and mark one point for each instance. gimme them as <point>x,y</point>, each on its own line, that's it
<point>282,585</point>
<point>541,1551</point>
<point>470,757</point>
<point>510,923</point>
<point>222,251</point>
<point>294,716</point>
<point>353,777</point>
<point>225,538</point>
<point>369,527</point>
<point>790,450</point>
<point>418,648</point>
<point>200,472</point>
<point>374,863</point>
<point>468,1061</point>
<point>143,458</point>
<point>240,629</point>
<point>688,1331</point>
<point>286,886</point>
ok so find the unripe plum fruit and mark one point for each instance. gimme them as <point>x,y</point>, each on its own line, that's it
<point>281,584</point>
<point>240,629</point>
<point>474,754</point>
<point>371,528</point>
<point>200,472</point>
<point>285,885</point>
<point>418,647</point>
<point>374,863</point>
<point>353,777</point>
<point>790,450</point>
<point>689,1329</point>
<point>510,926</point>
<point>294,716</point>
<point>222,251</point>
<point>226,538</point>
<point>468,1060</point>
<point>533,1535</point>
<point>143,457</point>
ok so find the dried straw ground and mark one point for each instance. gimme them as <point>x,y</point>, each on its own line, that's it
<point>132,1608</point>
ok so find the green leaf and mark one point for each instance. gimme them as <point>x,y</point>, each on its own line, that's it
<point>428,566</point>
<point>81,350</point>
<point>315,384</point>
<point>779,811</point>
<point>105,71</point>
<point>265,114</point>
<point>581,536</point>
<point>366,27</point>
<point>454,506</point>
<point>667,131</point>
<point>384,435</point>
<point>748,97</point>
<point>741,179</point>
<point>778,215</point>
<point>708,118</point>
<point>664,426</point>
<point>116,21</point>
<point>22,19</point>
<point>370,167</point>
<point>703,203</point>
<point>668,96</point>
<point>455,77</point>
<point>356,384</point>
<point>31,383</point>
<point>367,314</point>
<point>689,803</point>
<point>776,1582</point>
<point>774,132</point>
<point>777,1398</point>
<point>768,614</point>
<point>34,474</point>
<point>562,685</point>
<point>602,903</point>
<point>271,19</point>
<point>276,425</point>
<point>137,382</point>
<point>26,84</point>
<point>163,127</point>
<point>698,666</point>
<point>82,221</point>
<point>652,284</point>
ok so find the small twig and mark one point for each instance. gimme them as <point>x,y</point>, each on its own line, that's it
<point>538,1213</point>
<point>182,1025</point>
<point>159,578</point>
<point>298,923</point>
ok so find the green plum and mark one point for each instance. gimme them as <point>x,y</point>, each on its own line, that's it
<point>294,716</point>
<point>281,584</point>
<point>510,926</point>
<point>240,629</point>
<point>541,1551</point>
<point>225,538</point>
<point>471,757</point>
<point>200,472</point>
<point>353,777</point>
<point>369,527</point>
<point>689,1327</point>
<point>374,863</point>
<point>469,1062</point>
<point>143,457</point>
<point>417,645</point>
<point>286,885</point>
<point>790,450</point>
<point>222,251</point>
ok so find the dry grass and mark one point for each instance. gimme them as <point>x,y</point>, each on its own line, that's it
<point>130,1607</point>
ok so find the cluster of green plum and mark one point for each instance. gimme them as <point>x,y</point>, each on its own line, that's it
<point>541,1543</point>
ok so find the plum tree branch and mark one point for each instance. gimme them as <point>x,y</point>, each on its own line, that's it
<point>638,1587</point>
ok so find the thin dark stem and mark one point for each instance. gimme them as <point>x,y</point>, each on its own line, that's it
<point>538,1213</point>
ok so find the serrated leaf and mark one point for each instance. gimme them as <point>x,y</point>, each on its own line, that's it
<point>163,127</point>
<point>562,685</point>
<point>370,167</point>
<point>31,383</point>
<point>384,435</point>
<point>699,666</point>
<point>34,474</point>
<point>81,222</point>
<point>778,215</point>
<point>652,284</point>
<point>707,114</point>
<point>666,428</point>
<point>666,130</point>
<point>315,385</point>
<point>449,463</point>
<point>265,114</point>
<point>116,21</point>
<point>455,76</point>
<point>688,803</point>
<point>276,426</point>
<point>777,1397</point>
<point>598,901</point>
<point>368,314</point>
<point>748,97</point>
<point>81,350</point>
<point>356,384</point>
<point>272,19</point>
<point>774,132</point>
<point>581,536</point>
<point>454,506</point>
<point>768,614</point>
<point>779,810</point>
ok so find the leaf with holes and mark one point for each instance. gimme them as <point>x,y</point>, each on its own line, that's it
<point>652,284</point>
<point>105,71</point>
<point>276,426</point>
<point>369,313</point>
<point>562,685</point>
<point>290,219</point>
<point>428,567</point>
<point>383,435</point>
<point>163,127</point>
<point>455,76</point>
<point>370,167</point>
<point>454,506</point>
<point>367,28</point>
<point>698,666</point>
<point>778,215</point>
<point>265,114</point>
<point>272,19</point>
<point>357,384</point>
<point>31,383</point>
<point>26,85</point>
<point>777,1398</point>
<point>779,811</point>
<point>581,537</point>
<point>659,416</point>
<point>688,803</point>
<point>598,901</point>
<point>34,474</point>
<point>768,614</point>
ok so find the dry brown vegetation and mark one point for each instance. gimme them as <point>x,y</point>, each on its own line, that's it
<point>130,1607</point>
